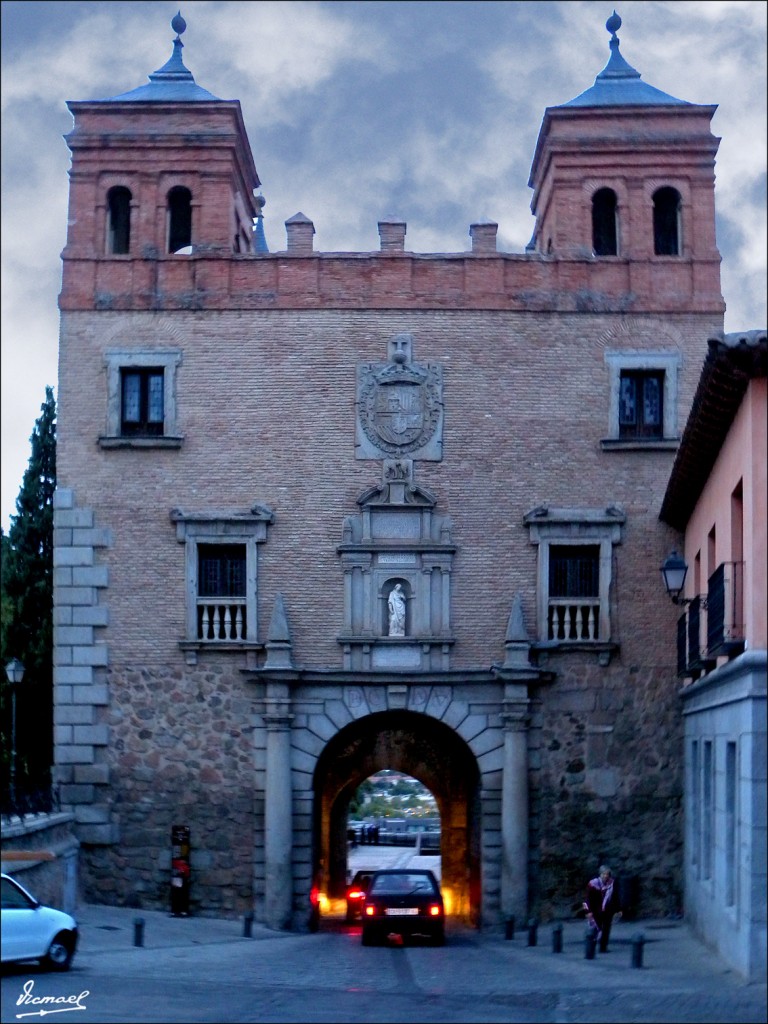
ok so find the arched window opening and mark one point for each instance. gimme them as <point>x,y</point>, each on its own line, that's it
<point>666,222</point>
<point>119,221</point>
<point>179,218</point>
<point>605,240</point>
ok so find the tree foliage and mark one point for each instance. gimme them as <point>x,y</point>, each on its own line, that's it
<point>26,602</point>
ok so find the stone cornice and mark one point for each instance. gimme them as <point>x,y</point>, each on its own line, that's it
<point>413,677</point>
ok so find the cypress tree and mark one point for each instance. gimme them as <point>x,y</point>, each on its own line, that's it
<point>27,607</point>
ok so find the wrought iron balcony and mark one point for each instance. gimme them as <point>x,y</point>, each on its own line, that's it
<point>692,658</point>
<point>725,610</point>
<point>719,616</point>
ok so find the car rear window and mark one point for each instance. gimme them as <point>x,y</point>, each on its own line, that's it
<point>413,881</point>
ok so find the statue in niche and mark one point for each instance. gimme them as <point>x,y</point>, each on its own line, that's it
<point>396,604</point>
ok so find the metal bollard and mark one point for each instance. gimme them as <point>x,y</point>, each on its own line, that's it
<point>638,941</point>
<point>138,931</point>
<point>533,926</point>
<point>557,937</point>
<point>509,931</point>
<point>590,943</point>
<point>247,924</point>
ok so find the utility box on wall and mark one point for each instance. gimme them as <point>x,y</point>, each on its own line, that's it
<point>180,870</point>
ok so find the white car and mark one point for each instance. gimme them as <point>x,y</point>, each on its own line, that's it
<point>31,931</point>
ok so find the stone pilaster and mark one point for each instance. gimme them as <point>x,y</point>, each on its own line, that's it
<point>514,803</point>
<point>278,809</point>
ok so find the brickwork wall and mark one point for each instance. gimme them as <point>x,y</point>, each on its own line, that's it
<point>266,405</point>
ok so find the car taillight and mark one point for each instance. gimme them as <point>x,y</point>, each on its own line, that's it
<point>370,909</point>
<point>314,896</point>
<point>355,894</point>
<point>435,910</point>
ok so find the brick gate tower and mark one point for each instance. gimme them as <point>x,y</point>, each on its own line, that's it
<point>320,514</point>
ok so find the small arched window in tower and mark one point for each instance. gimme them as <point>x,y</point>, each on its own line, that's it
<point>666,222</point>
<point>605,240</point>
<point>119,221</point>
<point>179,218</point>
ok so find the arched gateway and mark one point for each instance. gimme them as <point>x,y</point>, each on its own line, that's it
<point>463,735</point>
<point>430,751</point>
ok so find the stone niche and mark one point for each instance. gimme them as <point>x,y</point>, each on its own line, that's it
<point>397,538</point>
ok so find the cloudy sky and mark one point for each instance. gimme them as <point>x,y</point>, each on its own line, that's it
<point>358,110</point>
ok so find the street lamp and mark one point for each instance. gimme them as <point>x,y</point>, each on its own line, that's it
<point>15,672</point>
<point>674,571</point>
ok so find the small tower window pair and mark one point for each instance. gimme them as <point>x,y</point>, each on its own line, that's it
<point>666,222</point>
<point>179,220</point>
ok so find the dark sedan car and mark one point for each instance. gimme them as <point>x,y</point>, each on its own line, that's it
<point>356,893</point>
<point>403,903</point>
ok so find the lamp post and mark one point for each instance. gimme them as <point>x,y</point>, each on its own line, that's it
<point>15,672</point>
<point>674,571</point>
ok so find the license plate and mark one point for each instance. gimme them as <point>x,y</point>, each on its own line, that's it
<point>401,911</point>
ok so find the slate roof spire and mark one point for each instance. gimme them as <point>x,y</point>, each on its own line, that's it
<point>173,81</point>
<point>616,67</point>
<point>619,84</point>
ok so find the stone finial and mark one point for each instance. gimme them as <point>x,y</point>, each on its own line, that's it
<point>616,67</point>
<point>392,234</point>
<point>516,631</point>
<point>300,230</point>
<point>279,646</point>
<point>178,24</point>
<point>517,641</point>
<point>483,236</point>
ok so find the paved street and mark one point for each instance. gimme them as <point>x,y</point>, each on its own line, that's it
<point>200,969</point>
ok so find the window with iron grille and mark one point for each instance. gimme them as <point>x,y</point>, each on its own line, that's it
<point>221,576</point>
<point>574,592</point>
<point>142,401</point>
<point>141,409</point>
<point>221,592</point>
<point>641,397</point>
<point>221,571</point>
<point>575,569</point>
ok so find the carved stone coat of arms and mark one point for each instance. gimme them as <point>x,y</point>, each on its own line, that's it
<point>400,407</point>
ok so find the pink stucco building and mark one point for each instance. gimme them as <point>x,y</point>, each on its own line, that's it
<point>717,498</point>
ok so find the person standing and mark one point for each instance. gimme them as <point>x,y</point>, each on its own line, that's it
<point>602,905</point>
